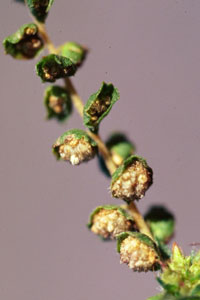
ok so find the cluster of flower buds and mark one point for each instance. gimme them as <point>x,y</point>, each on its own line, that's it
<point>57,102</point>
<point>109,220</point>
<point>131,180</point>
<point>180,278</point>
<point>75,146</point>
<point>138,251</point>
<point>25,43</point>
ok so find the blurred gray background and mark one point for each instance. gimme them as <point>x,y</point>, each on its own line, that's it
<point>150,49</point>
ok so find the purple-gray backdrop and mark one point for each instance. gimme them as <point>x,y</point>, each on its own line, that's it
<point>151,51</point>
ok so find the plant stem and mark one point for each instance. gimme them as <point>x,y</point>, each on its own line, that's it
<point>78,103</point>
<point>139,220</point>
<point>43,32</point>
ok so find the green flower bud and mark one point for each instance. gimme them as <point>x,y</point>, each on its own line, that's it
<point>131,180</point>
<point>75,52</point>
<point>53,67</point>
<point>181,276</point>
<point>39,8</point>
<point>25,43</point>
<point>99,105</point>
<point>57,102</point>
<point>75,146</point>
<point>138,251</point>
<point>120,148</point>
<point>161,223</point>
<point>109,220</point>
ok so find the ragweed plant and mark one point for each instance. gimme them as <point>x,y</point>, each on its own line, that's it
<point>141,241</point>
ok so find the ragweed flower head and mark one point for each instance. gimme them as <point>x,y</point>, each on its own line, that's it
<point>25,43</point>
<point>53,67</point>
<point>39,8</point>
<point>75,146</point>
<point>109,220</point>
<point>138,251</point>
<point>57,102</point>
<point>131,180</point>
<point>99,105</point>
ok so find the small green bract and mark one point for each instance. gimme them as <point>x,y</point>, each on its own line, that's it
<point>25,43</point>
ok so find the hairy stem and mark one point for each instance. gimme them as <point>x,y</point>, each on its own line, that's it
<point>78,103</point>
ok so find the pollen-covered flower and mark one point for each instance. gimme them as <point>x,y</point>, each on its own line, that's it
<point>109,220</point>
<point>131,180</point>
<point>75,146</point>
<point>138,251</point>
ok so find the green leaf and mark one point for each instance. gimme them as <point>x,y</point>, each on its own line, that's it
<point>53,67</point>
<point>75,52</point>
<point>99,105</point>
<point>167,296</point>
<point>196,290</point>
<point>39,8</point>
<point>25,43</point>
<point>161,222</point>
<point>156,297</point>
<point>170,288</point>
<point>164,250</point>
<point>58,103</point>
<point>162,297</point>
<point>187,298</point>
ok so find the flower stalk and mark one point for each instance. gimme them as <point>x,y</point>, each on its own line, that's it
<point>78,103</point>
